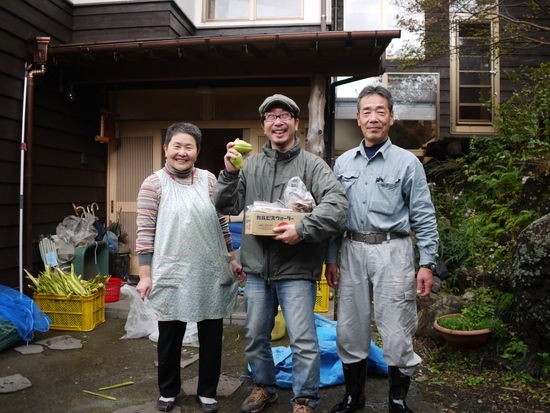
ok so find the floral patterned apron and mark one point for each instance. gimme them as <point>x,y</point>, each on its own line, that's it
<point>191,274</point>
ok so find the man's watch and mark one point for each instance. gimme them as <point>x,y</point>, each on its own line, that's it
<point>430,266</point>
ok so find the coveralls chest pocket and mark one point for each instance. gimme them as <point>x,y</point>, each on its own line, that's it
<point>385,197</point>
<point>348,179</point>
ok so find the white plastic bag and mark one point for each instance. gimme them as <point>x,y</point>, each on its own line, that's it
<point>297,197</point>
<point>65,252</point>
<point>141,321</point>
<point>77,231</point>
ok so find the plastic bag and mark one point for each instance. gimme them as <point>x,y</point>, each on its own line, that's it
<point>297,197</point>
<point>22,312</point>
<point>142,321</point>
<point>65,252</point>
<point>77,231</point>
<point>112,240</point>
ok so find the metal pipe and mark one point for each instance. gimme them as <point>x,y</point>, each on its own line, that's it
<point>31,74</point>
<point>323,15</point>
<point>23,148</point>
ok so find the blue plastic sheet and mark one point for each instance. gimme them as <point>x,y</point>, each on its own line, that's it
<point>22,312</point>
<point>331,367</point>
<point>236,229</point>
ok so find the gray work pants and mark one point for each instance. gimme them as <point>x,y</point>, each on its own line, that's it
<point>387,272</point>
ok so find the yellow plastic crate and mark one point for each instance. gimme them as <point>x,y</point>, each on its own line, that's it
<point>322,297</point>
<point>73,313</point>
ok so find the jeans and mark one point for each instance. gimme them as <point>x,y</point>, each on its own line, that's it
<point>297,299</point>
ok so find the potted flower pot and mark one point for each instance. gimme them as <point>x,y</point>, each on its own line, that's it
<point>465,340</point>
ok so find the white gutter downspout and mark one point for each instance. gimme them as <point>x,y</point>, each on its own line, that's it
<point>25,193</point>
<point>23,148</point>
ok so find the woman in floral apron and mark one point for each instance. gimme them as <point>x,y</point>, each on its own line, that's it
<point>187,268</point>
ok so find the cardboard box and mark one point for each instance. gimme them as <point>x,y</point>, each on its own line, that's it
<point>262,223</point>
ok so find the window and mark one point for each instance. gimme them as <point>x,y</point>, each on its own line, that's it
<point>416,107</point>
<point>474,76</point>
<point>253,9</point>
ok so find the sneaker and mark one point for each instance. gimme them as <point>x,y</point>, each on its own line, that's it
<point>166,404</point>
<point>208,404</point>
<point>301,406</point>
<point>258,398</point>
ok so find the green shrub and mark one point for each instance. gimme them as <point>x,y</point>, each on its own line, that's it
<point>482,311</point>
<point>484,199</point>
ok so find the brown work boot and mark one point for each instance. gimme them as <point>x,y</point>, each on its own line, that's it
<point>301,406</point>
<point>258,398</point>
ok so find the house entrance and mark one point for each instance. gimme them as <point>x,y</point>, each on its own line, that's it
<point>136,155</point>
<point>213,148</point>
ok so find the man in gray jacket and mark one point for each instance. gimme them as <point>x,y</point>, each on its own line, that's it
<point>283,269</point>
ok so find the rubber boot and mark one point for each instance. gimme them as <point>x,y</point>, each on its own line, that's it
<point>399,387</point>
<point>355,375</point>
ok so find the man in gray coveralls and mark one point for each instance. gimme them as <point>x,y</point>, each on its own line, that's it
<point>389,200</point>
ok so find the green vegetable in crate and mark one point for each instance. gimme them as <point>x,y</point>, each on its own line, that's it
<point>54,281</point>
<point>242,147</point>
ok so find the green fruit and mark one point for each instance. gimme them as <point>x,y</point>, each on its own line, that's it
<point>238,161</point>
<point>242,146</point>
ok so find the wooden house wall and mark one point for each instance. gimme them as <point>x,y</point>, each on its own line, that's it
<point>130,21</point>
<point>62,132</point>
<point>529,56</point>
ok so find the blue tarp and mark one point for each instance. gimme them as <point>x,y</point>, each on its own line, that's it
<point>331,366</point>
<point>22,312</point>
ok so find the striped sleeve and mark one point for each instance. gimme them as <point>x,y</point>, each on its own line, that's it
<point>223,220</point>
<point>146,218</point>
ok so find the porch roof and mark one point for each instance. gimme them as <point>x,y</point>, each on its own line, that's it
<point>260,56</point>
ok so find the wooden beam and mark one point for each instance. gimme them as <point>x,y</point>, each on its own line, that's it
<point>315,140</point>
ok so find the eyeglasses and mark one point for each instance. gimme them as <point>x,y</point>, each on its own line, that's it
<point>271,117</point>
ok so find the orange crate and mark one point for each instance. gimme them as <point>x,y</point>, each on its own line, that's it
<point>73,313</point>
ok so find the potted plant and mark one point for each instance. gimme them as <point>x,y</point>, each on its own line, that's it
<point>471,329</point>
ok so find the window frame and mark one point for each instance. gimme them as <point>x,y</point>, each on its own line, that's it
<point>252,14</point>
<point>437,96</point>
<point>472,126</point>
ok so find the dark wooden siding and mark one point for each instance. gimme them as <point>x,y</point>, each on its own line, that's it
<point>130,21</point>
<point>529,55</point>
<point>62,131</point>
